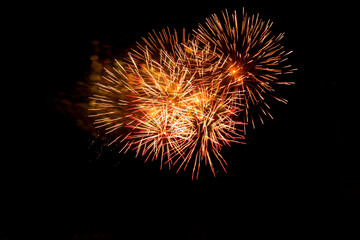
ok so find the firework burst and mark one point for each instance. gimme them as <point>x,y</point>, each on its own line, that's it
<point>179,99</point>
<point>168,110</point>
<point>255,58</point>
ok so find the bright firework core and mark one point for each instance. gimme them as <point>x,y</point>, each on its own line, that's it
<point>181,99</point>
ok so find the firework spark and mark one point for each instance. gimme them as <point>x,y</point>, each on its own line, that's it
<point>166,40</point>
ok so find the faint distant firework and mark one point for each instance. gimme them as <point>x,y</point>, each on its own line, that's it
<point>180,99</point>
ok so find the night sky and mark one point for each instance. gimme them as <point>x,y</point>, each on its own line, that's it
<point>294,179</point>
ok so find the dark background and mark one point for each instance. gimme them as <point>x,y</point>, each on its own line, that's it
<point>296,178</point>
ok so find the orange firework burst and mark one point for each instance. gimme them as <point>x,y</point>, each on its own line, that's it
<point>165,111</point>
<point>179,99</point>
<point>255,57</point>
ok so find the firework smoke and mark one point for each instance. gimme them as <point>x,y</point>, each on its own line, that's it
<point>181,99</point>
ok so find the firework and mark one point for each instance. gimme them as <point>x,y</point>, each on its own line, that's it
<point>137,104</point>
<point>255,57</point>
<point>179,99</point>
<point>213,113</point>
<point>168,110</point>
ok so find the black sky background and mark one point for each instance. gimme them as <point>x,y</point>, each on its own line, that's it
<point>294,179</point>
